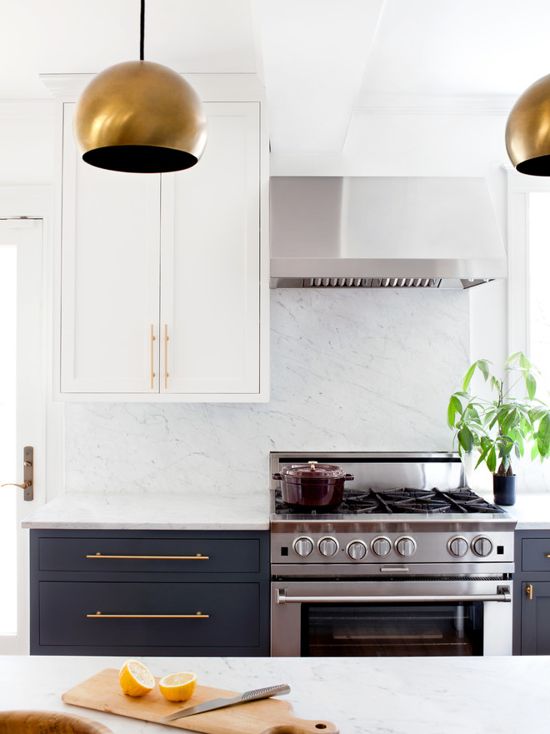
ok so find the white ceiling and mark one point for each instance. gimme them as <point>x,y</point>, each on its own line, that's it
<point>324,62</point>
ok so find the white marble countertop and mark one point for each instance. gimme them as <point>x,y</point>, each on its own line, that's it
<point>532,511</point>
<point>190,511</point>
<point>162,511</point>
<point>479,695</point>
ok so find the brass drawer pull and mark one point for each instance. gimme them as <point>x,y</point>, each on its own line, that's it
<point>547,555</point>
<point>101,615</point>
<point>529,591</point>
<point>197,557</point>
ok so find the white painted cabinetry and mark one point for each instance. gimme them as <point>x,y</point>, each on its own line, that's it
<point>210,271</point>
<point>110,269</point>
<point>163,278</point>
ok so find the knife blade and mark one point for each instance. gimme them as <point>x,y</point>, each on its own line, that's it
<point>220,703</point>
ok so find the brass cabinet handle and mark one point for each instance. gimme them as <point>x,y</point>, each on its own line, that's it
<point>101,615</point>
<point>197,557</point>
<point>152,340</point>
<point>166,340</point>
<point>529,591</point>
<point>547,555</point>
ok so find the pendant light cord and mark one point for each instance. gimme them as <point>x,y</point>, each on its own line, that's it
<point>142,31</point>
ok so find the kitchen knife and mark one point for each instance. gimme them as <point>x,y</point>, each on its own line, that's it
<point>220,703</point>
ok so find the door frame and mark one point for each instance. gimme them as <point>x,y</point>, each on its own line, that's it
<point>38,202</point>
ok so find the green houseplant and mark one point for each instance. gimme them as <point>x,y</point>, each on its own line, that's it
<point>501,426</point>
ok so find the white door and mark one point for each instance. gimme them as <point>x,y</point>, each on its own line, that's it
<point>210,273</point>
<point>110,276</point>
<point>22,412</point>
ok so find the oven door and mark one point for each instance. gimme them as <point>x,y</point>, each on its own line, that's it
<point>391,618</point>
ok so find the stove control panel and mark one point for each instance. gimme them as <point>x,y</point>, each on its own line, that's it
<point>331,545</point>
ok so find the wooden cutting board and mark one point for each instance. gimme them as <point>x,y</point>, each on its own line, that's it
<point>270,716</point>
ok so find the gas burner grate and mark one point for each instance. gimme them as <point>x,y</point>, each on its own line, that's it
<point>401,500</point>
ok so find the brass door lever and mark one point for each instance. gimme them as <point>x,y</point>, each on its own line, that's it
<point>28,467</point>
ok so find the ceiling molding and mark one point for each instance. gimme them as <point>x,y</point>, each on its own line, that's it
<point>435,104</point>
<point>240,87</point>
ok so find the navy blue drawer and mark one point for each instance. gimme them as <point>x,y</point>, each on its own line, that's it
<point>149,555</point>
<point>535,554</point>
<point>230,614</point>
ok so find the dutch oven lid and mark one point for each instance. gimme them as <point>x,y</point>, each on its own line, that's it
<point>313,470</point>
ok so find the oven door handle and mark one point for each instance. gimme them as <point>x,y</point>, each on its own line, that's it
<point>282,598</point>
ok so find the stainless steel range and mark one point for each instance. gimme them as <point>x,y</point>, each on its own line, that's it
<point>412,562</point>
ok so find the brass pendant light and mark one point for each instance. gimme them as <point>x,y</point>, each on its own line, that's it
<point>140,117</point>
<point>528,130</point>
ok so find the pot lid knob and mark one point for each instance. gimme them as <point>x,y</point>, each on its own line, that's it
<point>313,465</point>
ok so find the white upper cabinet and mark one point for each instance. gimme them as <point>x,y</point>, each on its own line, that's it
<point>163,282</point>
<point>210,274</point>
<point>109,276</point>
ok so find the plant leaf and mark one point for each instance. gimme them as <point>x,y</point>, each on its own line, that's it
<point>455,406</point>
<point>531,385</point>
<point>468,376</point>
<point>466,439</point>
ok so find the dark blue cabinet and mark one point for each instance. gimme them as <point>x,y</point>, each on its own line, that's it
<point>149,593</point>
<point>532,593</point>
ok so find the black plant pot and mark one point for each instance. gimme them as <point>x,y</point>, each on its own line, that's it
<point>504,489</point>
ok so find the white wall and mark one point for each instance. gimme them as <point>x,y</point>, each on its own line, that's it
<point>27,134</point>
<point>355,370</point>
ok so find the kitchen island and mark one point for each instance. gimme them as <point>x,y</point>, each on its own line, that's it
<point>490,695</point>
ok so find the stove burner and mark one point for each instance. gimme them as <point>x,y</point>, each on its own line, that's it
<point>400,500</point>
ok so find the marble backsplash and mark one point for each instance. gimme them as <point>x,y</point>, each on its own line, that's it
<point>355,370</point>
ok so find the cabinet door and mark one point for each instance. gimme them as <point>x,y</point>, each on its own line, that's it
<point>210,279</point>
<point>110,276</point>
<point>535,619</point>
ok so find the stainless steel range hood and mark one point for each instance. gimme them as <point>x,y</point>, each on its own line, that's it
<point>383,232</point>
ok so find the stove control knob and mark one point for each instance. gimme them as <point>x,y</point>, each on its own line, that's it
<point>356,550</point>
<point>482,546</point>
<point>458,546</point>
<point>328,546</point>
<point>405,546</point>
<point>303,546</point>
<point>381,546</point>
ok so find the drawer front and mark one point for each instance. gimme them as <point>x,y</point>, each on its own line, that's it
<point>229,614</point>
<point>535,554</point>
<point>150,555</point>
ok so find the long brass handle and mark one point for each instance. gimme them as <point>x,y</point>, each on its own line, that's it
<point>166,340</point>
<point>22,485</point>
<point>197,557</point>
<point>152,340</point>
<point>529,591</point>
<point>101,615</point>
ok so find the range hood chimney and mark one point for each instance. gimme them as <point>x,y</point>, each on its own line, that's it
<point>383,232</point>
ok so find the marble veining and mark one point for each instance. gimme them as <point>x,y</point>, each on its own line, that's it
<point>483,695</point>
<point>357,370</point>
<point>181,511</point>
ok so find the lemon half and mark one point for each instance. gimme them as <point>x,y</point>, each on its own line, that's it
<point>178,686</point>
<point>135,678</point>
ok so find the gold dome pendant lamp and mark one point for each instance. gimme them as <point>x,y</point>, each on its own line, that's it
<point>528,130</point>
<point>140,117</point>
